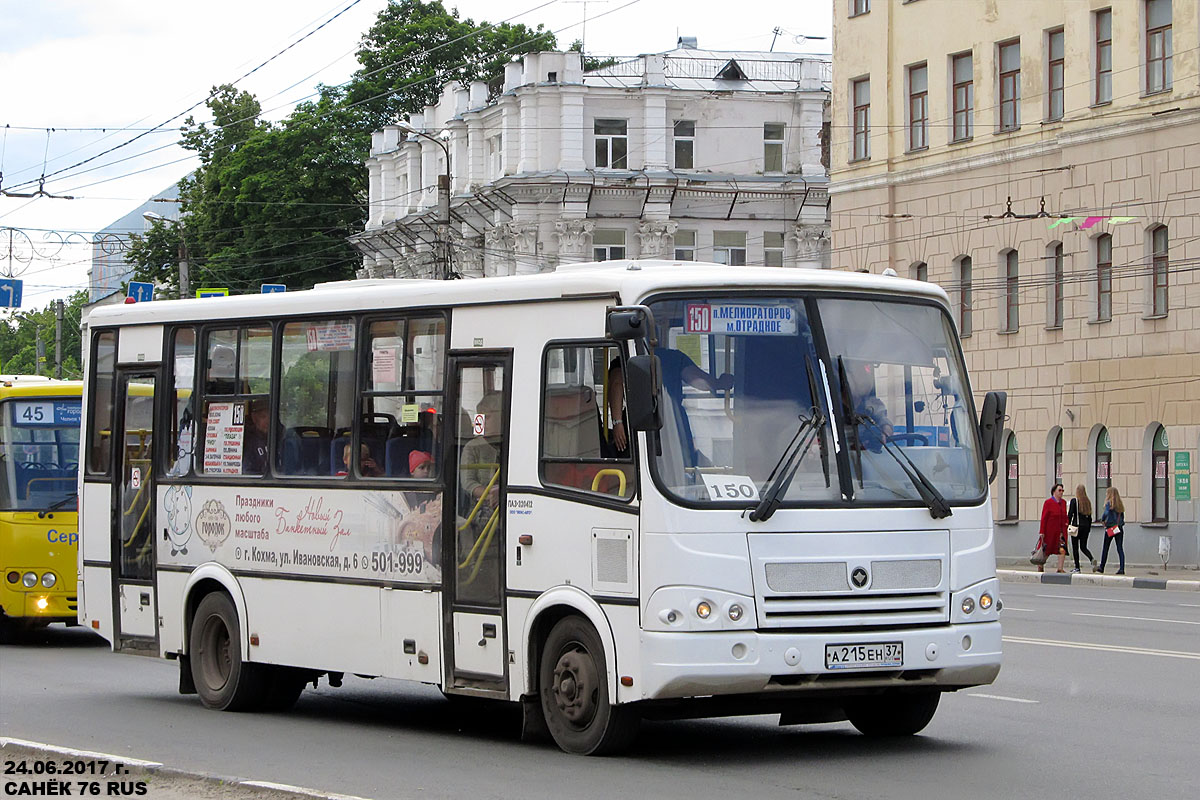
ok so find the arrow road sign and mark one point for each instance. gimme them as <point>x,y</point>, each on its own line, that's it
<point>141,292</point>
<point>10,293</point>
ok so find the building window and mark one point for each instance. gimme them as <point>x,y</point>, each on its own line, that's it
<point>773,249</point>
<point>495,155</point>
<point>685,144</point>
<point>1104,277</point>
<point>918,107</point>
<point>1010,85</point>
<point>964,296</point>
<point>964,95</point>
<point>685,245</point>
<point>1055,74</point>
<point>1058,450</point>
<point>1012,478</point>
<point>608,245</point>
<point>1158,287</point>
<point>920,271</point>
<point>1160,481</point>
<point>1054,266</point>
<point>861,92</point>
<point>1103,466</point>
<point>1012,303</point>
<point>729,247</point>
<point>1158,46</point>
<point>859,7</point>
<point>612,143</point>
<point>773,146</point>
<point>1103,56</point>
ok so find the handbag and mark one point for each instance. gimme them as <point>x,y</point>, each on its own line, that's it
<point>1073,530</point>
<point>1112,530</point>
<point>1038,556</point>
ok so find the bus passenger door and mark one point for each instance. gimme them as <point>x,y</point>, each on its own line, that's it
<point>136,608</point>
<point>474,579</point>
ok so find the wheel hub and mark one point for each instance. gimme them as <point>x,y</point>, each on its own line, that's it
<point>575,686</point>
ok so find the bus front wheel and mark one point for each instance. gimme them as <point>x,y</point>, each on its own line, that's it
<point>223,680</point>
<point>892,714</point>
<point>573,686</point>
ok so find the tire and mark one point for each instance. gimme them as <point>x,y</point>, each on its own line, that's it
<point>892,714</point>
<point>282,687</point>
<point>573,687</point>
<point>223,680</point>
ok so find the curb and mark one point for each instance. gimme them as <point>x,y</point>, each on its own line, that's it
<point>17,748</point>
<point>1093,579</point>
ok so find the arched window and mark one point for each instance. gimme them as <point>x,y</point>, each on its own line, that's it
<point>920,271</point>
<point>1103,466</point>
<point>964,296</point>
<point>1058,450</point>
<point>1012,477</point>
<point>1160,477</point>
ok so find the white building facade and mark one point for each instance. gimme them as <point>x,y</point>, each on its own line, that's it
<point>689,155</point>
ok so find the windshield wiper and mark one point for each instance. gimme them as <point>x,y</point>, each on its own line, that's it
<point>57,505</point>
<point>935,500</point>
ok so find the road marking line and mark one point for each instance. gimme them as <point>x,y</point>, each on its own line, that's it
<point>285,787</point>
<point>1094,599</point>
<point>1002,697</point>
<point>1007,607</point>
<point>71,752</point>
<point>1111,648</point>
<point>1190,605</point>
<point>1142,619</point>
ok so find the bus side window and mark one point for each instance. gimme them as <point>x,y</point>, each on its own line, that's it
<point>183,413</point>
<point>100,403</point>
<point>580,421</point>
<point>315,395</point>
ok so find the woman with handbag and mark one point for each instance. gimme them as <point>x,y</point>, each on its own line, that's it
<point>1053,529</point>
<point>1114,527</point>
<point>1079,525</point>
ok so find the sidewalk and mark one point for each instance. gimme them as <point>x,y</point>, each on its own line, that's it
<point>1137,576</point>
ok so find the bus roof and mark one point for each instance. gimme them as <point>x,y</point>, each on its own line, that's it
<point>37,386</point>
<point>629,280</point>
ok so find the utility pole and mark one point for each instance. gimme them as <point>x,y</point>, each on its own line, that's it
<point>185,288</point>
<point>58,318</point>
<point>443,222</point>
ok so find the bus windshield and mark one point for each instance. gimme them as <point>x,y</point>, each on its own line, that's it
<point>39,453</point>
<point>857,400</point>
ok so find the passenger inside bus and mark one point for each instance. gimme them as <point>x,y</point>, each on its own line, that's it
<point>254,441</point>
<point>481,455</point>
<point>876,425</point>
<point>366,464</point>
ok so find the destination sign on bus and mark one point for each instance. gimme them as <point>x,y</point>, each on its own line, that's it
<point>741,319</point>
<point>33,413</point>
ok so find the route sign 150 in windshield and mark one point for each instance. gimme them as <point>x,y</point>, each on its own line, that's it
<point>741,319</point>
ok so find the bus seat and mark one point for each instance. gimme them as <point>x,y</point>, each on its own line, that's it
<point>306,450</point>
<point>396,452</point>
<point>572,423</point>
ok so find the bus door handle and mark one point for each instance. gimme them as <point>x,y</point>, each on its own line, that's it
<point>489,632</point>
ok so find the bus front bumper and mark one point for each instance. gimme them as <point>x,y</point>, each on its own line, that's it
<point>695,664</point>
<point>39,606</point>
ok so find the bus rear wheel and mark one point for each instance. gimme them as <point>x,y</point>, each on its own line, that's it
<point>573,686</point>
<point>223,680</point>
<point>892,714</point>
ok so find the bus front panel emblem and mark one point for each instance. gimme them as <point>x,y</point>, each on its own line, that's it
<point>859,577</point>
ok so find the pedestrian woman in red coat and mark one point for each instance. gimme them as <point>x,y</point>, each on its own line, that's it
<point>1054,527</point>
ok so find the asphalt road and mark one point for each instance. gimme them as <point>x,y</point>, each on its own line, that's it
<point>1099,698</point>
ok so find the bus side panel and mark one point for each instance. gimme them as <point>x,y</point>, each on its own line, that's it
<point>98,596</point>
<point>95,519</point>
<point>314,624</point>
<point>171,588</point>
<point>973,551</point>
<point>626,626</point>
<point>412,628</point>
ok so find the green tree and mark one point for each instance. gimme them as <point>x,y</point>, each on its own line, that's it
<point>18,344</point>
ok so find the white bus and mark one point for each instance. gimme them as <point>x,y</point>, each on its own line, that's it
<point>620,491</point>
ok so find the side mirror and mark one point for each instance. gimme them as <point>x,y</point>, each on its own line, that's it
<point>991,423</point>
<point>625,323</point>
<point>642,393</point>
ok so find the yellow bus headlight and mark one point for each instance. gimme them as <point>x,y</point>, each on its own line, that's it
<point>29,580</point>
<point>49,579</point>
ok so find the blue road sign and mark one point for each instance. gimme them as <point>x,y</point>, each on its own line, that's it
<point>141,292</point>
<point>212,293</point>
<point>10,293</point>
<point>271,288</point>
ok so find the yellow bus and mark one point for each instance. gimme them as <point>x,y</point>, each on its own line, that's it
<point>39,528</point>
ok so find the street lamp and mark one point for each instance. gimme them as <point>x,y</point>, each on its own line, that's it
<point>443,206</point>
<point>184,285</point>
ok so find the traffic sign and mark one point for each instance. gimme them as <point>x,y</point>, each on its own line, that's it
<point>10,293</point>
<point>212,293</point>
<point>140,292</point>
<point>272,288</point>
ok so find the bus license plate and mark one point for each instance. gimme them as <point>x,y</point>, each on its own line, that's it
<point>864,656</point>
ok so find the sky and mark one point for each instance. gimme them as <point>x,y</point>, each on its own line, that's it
<point>78,77</point>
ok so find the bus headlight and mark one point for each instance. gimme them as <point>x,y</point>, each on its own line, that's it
<point>735,612</point>
<point>968,605</point>
<point>42,604</point>
<point>49,579</point>
<point>703,610</point>
<point>29,580</point>
<point>985,601</point>
<point>14,576</point>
